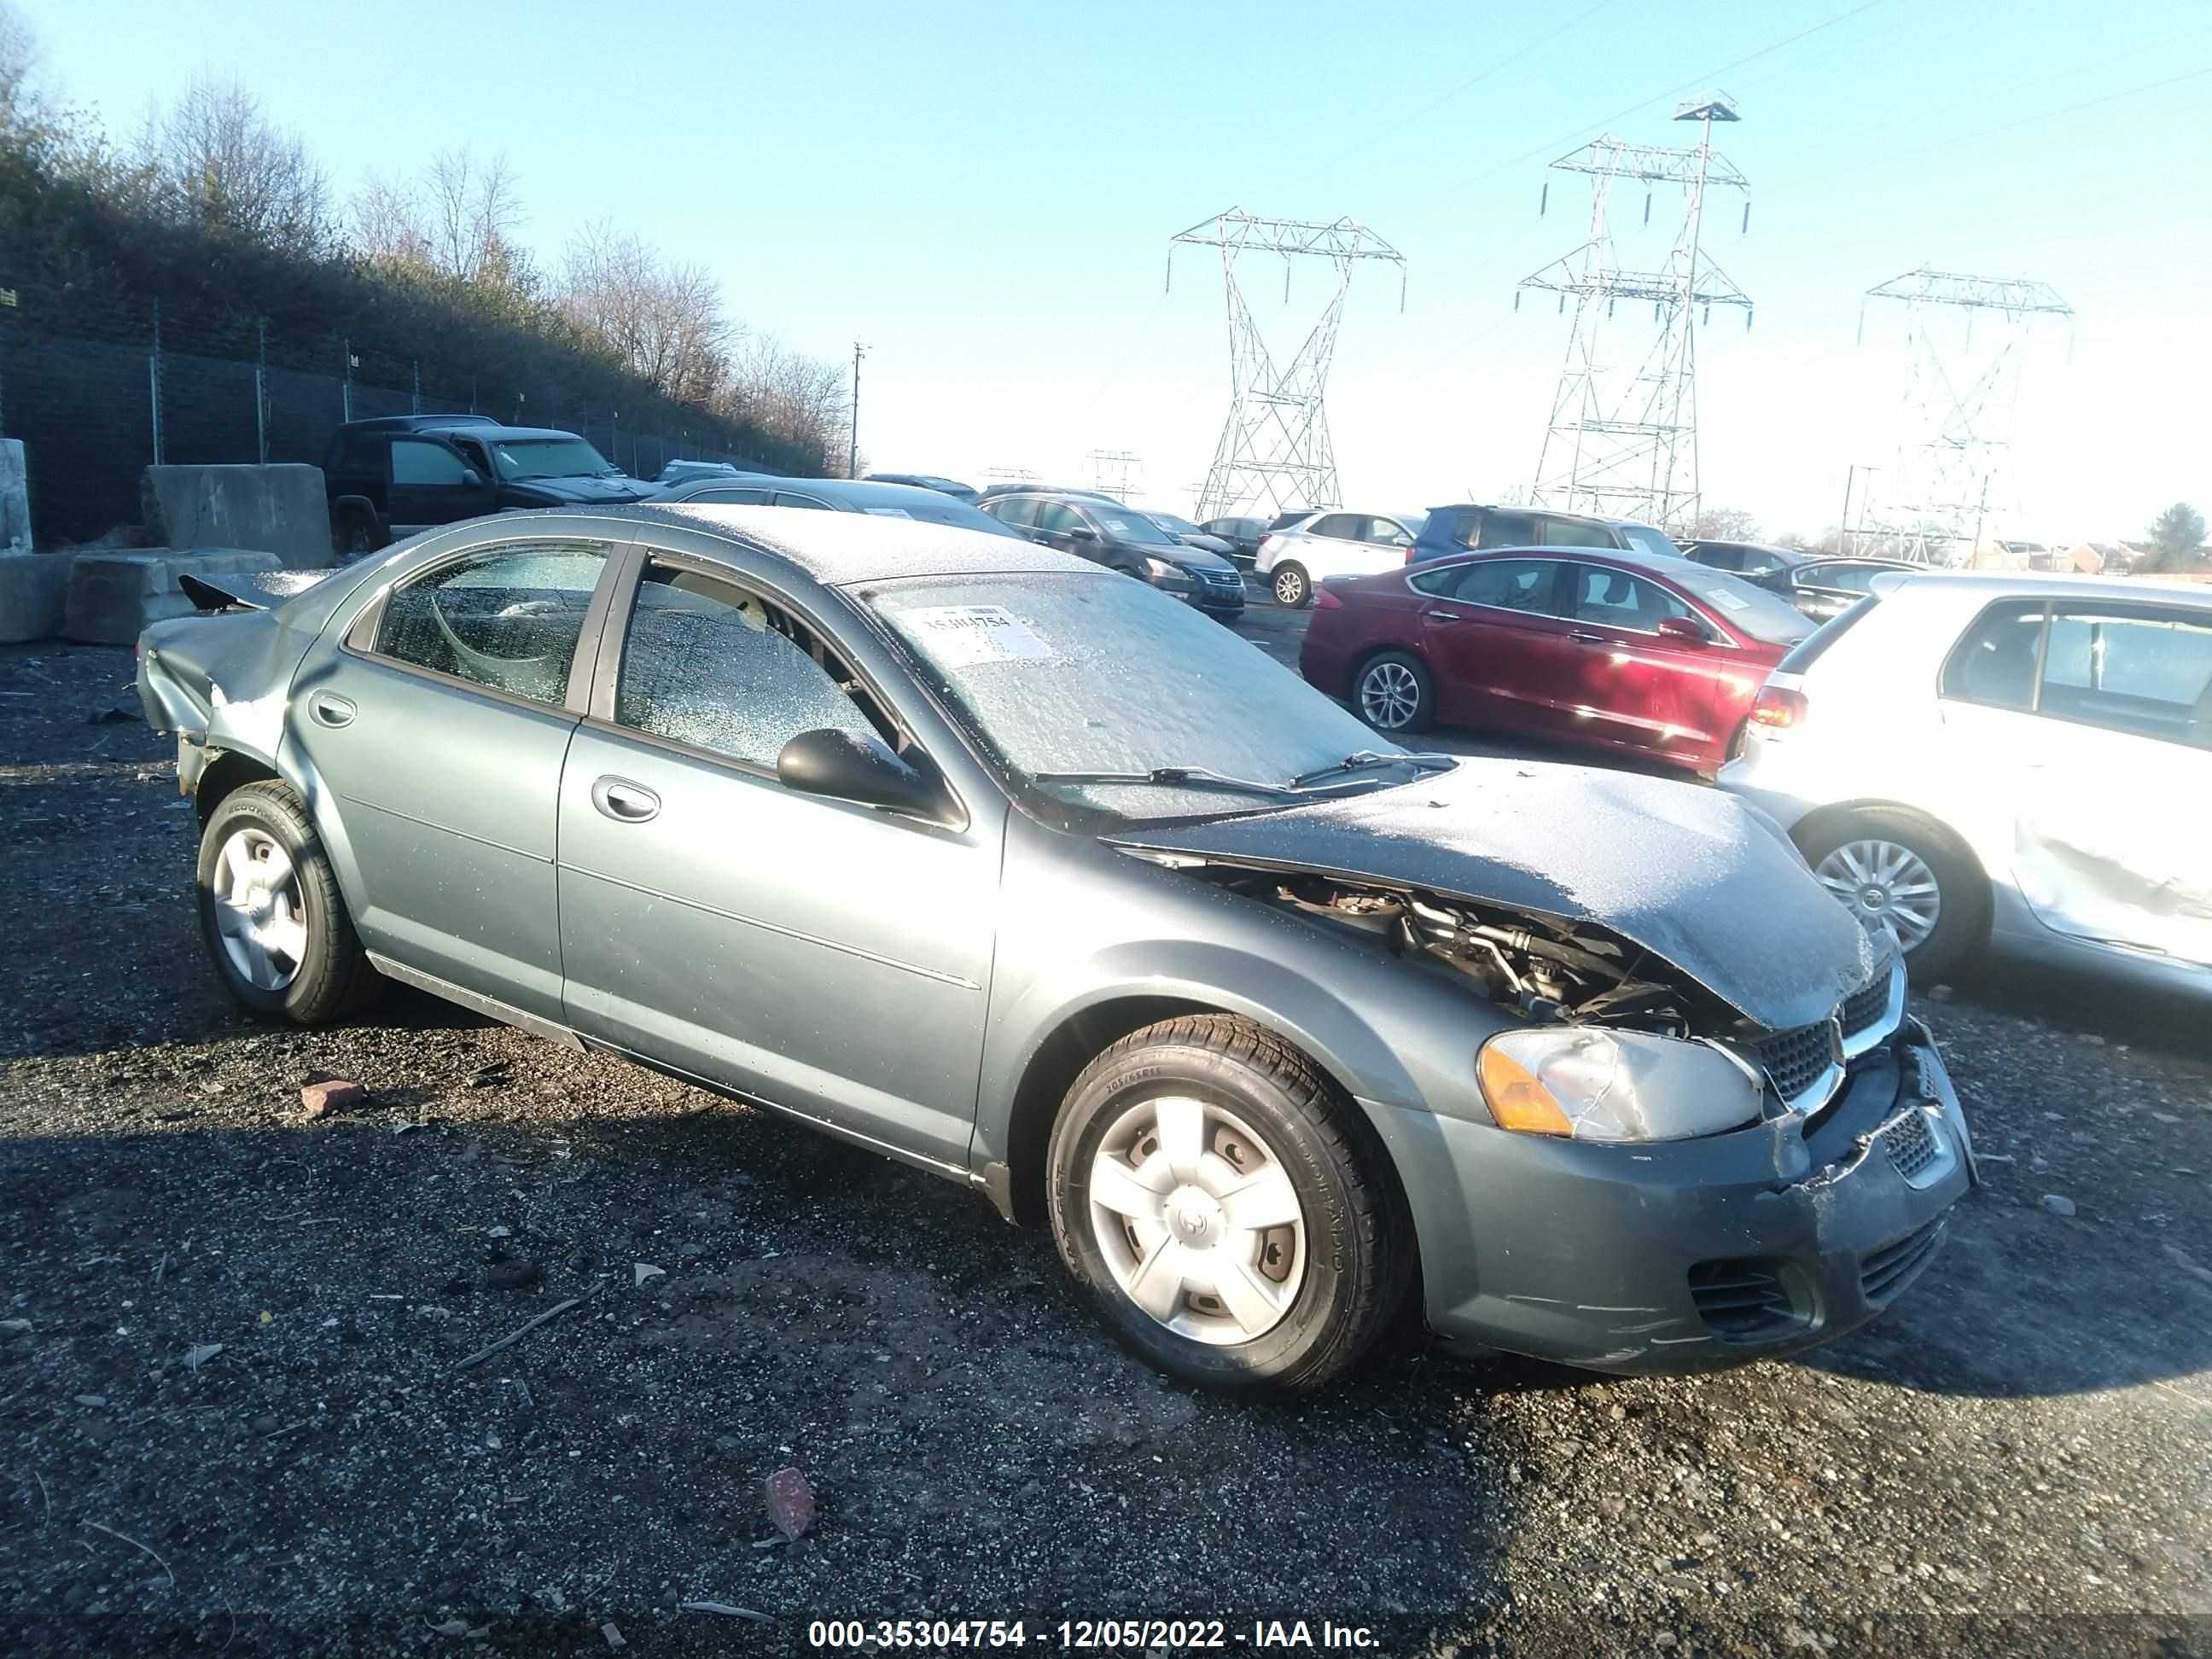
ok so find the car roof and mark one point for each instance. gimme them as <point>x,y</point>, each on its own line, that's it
<point>859,492</point>
<point>1662,564</point>
<point>1549,512</point>
<point>476,426</point>
<point>837,548</point>
<point>2005,584</point>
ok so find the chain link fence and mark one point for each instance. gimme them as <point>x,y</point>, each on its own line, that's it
<point>113,388</point>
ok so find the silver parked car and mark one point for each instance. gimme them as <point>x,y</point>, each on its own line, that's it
<point>983,857</point>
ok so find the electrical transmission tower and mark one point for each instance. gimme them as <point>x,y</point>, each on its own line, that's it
<point>1111,471</point>
<point>1275,446</point>
<point>1624,442</point>
<point>1952,472</point>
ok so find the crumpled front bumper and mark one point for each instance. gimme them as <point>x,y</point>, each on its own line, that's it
<point>1689,1255</point>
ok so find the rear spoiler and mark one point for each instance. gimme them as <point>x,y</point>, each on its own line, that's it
<point>249,590</point>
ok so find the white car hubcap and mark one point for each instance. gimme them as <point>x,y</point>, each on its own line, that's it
<point>257,913</point>
<point>1289,586</point>
<point>1389,694</point>
<point>1881,881</point>
<point>1197,1220</point>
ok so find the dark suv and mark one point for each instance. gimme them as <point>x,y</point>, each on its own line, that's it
<point>392,476</point>
<point>1124,539</point>
<point>1463,528</point>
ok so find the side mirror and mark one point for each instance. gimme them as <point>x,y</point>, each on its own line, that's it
<point>860,766</point>
<point>470,478</point>
<point>1683,629</point>
<point>1082,532</point>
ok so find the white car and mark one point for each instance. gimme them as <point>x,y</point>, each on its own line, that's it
<point>2020,760</point>
<point>1333,543</point>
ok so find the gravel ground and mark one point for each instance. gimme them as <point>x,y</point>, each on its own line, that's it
<point>233,1410</point>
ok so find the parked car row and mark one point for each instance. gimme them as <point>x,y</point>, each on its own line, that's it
<point>1096,527</point>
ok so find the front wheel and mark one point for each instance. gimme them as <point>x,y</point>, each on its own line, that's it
<point>1292,588</point>
<point>270,914</point>
<point>1226,1207</point>
<point>1895,868</point>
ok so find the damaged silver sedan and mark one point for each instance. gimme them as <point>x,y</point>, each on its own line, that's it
<point>1007,867</point>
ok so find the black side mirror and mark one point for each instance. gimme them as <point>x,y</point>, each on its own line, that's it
<point>470,478</point>
<point>1082,532</point>
<point>860,766</point>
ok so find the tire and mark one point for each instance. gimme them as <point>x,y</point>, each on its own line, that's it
<point>1393,693</point>
<point>1305,1299</point>
<point>1292,587</point>
<point>302,962</point>
<point>1865,841</point>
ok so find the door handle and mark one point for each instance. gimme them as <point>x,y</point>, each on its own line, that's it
<point>1587,637</point>
<point>625,802</point>
<point>328,709</point>
<point>1437,613</point>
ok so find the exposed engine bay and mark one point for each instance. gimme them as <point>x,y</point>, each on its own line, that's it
<point>1544,969</point>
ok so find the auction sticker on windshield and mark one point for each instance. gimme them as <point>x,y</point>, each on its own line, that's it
<point>962,635</point>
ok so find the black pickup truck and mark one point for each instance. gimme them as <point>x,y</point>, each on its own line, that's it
<point>394,476</point>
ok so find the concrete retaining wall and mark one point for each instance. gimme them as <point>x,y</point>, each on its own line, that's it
<point>15,497</point>
<point>34,590</point>
<point>279,509</point>
<point>113,596</point>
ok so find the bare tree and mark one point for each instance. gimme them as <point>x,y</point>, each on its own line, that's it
<point>798,400</point>
<point>1724,524</point>
<point>21,58</point>
<point>220,163</point>
<point>383,222</point>
<point>664,322</point>
<point>475,210</point>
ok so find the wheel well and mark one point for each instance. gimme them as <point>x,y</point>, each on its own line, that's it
<point>226,772</point>
<point>1814,824</point>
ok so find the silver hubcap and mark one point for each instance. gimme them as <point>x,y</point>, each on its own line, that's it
<point>1881,881</point>
<point>1197,1220</point>
<point>1289,586</point>
<point>258,912</point>
<point>1389,694</point>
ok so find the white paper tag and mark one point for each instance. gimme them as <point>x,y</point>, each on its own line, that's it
<point>889,512</point>
<point>1728,601</point>
<point>962,635</point>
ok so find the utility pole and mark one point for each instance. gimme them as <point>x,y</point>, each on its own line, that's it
<point>1843,524</point>
<point>1974,557</point>
<point>1274,447</point>
<point>853,450</point>
<point>1621,442</point>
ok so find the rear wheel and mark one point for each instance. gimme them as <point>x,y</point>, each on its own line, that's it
<point>1894,867</point>
<point>1292,587</point>
<point>270,914</point>
<point>1395,693</point>
<point>1226,1207</point>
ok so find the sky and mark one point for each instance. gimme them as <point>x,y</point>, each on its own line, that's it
<point>984,194</point>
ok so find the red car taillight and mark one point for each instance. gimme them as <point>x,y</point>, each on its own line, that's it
<point>1325,600</point>
<point>1778,708</point>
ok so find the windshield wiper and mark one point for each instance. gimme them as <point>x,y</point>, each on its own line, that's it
<point>1427,762</point>
<point>1174,776</point>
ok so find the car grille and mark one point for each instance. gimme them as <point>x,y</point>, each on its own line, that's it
<point>1743,1300</point>
<point>1795,1060</point>
<point>1221,578</point>
<point>1864,1006</point>
<point>1911,1145</point>
<point>1890,1268</point>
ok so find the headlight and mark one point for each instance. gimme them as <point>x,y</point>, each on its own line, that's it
<point>1590,1083</point>
<point>1156,568</point>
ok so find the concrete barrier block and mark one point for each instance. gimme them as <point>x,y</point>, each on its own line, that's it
<point>33,593</point>
<point>15,497</point>
<point>113,595</point>
<point>280,509</point>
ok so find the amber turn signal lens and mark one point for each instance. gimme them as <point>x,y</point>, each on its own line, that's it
<point>1516,1100</point>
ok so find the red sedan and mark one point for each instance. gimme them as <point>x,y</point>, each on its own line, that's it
<point>1654,656</point>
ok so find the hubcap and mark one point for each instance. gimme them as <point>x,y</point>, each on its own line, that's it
<point>258,912</point>
<point>1197,1220</point>
<point>1288,585</point>
<point>1389,694</point>
<point>1882,881</point>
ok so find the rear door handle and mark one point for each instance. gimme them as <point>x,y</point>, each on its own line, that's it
<point>625,802</point>
<point>327,709</point>
<point>1587,637</point>
<point>1437,613</point>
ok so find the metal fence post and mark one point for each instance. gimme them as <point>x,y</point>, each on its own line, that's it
<point>614,436</point>
<point>153,381</point>
<point>416,406</point>
<point>261,389</point>
<point>345,385</point>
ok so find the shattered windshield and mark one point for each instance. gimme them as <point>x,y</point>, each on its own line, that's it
<point>1093,672</point>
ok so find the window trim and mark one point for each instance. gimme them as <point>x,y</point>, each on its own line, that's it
<point>598,714</point>
<point>359,639</point>
<point>1429,566</point>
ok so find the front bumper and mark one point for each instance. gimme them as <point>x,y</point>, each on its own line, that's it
<point>1690,1255</point>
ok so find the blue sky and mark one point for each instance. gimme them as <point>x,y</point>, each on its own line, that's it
<point>984,194</point>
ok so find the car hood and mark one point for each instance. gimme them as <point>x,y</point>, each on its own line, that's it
<point>1191,558</point>
<point>586,490</point>
<point>1696,877</point>
<point>1205,542</point>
